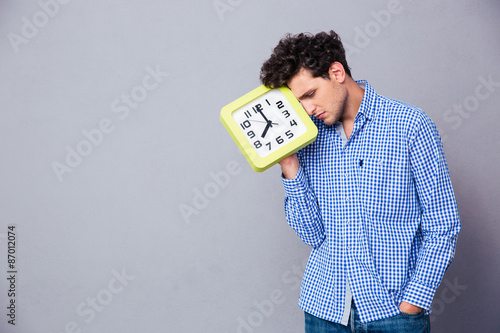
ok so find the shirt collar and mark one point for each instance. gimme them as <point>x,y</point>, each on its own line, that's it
<point>366,108</point>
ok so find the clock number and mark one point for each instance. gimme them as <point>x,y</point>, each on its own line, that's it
<point>248,114</point>
<point>257,108</point>
<point>257,144</point>
<point>268,102</point>
<point>280,140</point>
<point>280,104</point>
<point>289,134</point>
<point>269,144</point>
<point>293,123</point>
<point>245,124</point>
<point>286,113</point>
<point>251,134</point>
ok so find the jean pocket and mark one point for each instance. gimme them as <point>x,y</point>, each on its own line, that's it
<point>412,315</point>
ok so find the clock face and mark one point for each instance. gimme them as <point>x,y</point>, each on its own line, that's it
<point>268,125</point>
<point>269,122</point>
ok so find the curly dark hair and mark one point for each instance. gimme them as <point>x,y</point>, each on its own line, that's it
<point>294,52</point>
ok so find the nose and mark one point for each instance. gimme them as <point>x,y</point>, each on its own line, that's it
<point>309,107</point>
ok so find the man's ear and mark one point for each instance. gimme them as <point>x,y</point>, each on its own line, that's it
<point>337,72</point>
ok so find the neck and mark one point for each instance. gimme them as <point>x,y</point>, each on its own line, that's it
<point>354,97</point>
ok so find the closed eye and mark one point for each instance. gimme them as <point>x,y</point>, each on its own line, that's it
<point>308,94</point>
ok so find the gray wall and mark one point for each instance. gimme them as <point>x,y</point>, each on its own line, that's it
<point>133,209</point>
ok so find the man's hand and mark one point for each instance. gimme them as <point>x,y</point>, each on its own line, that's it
<point>290,166</point>
<point>409,308</point>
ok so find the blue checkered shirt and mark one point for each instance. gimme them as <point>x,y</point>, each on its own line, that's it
<point>379,212</point>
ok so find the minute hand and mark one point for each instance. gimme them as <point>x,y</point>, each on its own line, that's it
<point>265,118</point>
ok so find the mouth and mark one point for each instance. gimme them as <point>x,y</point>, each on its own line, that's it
<point>320,115</point>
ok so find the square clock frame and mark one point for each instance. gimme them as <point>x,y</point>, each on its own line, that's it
<point>268,125</point>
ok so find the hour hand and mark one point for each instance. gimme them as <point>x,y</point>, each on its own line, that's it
<point>269,124</point>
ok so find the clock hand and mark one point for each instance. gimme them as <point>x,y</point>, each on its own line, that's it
<point>260,121</point>
<point>269,124</point>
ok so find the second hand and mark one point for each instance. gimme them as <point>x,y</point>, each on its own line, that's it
<point>261,121</point>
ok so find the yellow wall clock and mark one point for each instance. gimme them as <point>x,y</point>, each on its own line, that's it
<point>268,125</point>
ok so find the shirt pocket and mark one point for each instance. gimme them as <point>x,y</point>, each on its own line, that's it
<point>385,184</point>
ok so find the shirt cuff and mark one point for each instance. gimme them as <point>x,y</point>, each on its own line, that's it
<point>419,294</point>
<point>297,186</point>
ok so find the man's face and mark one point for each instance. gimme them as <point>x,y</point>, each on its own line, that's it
<point>320,97</point>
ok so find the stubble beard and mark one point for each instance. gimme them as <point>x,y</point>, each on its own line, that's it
<point>338,107</point>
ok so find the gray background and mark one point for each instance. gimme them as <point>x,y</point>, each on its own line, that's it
<point>230,263</point>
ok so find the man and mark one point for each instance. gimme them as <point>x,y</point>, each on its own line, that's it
<point>372,196</point>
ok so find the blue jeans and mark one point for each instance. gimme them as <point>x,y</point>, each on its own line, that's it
<point>401,323</point>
